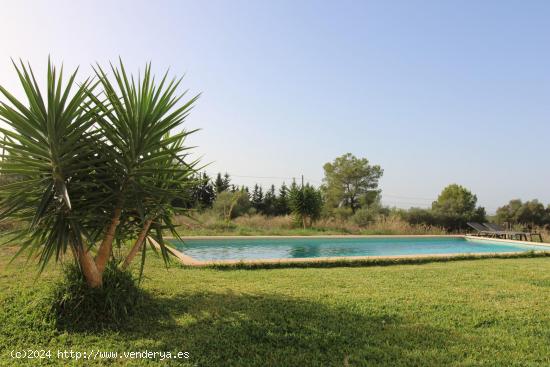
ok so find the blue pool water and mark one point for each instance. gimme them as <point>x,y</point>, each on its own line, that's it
<point>272,248</point>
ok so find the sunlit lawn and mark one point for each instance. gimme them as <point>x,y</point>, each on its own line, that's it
<point>466,313</point>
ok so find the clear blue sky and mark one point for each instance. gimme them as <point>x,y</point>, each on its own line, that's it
<point>436,92</point>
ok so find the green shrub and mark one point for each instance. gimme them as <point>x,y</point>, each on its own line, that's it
<point>419,216</point>
<point>220,225</point>
<point>229,205</point>
<point>365,216</point>
<point>342,213</point>
<point>79,307</point>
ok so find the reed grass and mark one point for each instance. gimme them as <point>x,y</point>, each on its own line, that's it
<point>208,223</point>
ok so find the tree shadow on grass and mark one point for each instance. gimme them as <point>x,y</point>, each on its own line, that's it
<point>250,330</point>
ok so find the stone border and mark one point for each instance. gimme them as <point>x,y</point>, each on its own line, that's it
<point>189,261</point>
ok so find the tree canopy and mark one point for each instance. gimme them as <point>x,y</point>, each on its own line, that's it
<point>455,206</point>
<point>351,182</point>
<point>529,212</point>
<point>222,183</point>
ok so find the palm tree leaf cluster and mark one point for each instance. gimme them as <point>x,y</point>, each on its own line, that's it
<point>305,203</point>
<point>94,163</point>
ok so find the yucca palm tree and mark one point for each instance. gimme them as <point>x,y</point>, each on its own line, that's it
<point>305,204</point>
<point>137,118</point>
<point>87,158</point>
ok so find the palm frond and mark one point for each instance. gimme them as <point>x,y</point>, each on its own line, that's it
<point>50,141</point>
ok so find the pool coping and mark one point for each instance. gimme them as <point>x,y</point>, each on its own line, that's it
<point>320,236</point>
<point>490,239</point>
<point>190,261</point>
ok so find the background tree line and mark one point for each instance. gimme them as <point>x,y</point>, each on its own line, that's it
<point>528,213</point>
<point>350,192</point>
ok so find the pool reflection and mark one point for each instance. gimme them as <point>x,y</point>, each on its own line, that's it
<point>300,251</point>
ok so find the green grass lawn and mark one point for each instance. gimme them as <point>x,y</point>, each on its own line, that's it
<point>467,313</point>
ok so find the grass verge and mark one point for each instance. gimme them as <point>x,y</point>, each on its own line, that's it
<point>373,262</point>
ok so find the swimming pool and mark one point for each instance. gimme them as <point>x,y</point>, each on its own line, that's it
<point>258,248</point>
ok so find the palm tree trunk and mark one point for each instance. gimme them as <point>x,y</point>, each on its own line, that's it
<point>231,206</point>
<point>137,246</point>
<point>104,252</point>
<point>106,246</point>
<point>93,276</point>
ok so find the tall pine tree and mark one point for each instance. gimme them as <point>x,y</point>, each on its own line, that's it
<point>257,198</point>
<point>222,183</point>
<point>269,201</point>
<point>203,193</point>
<point>282,201</point>
<point>226,181</point>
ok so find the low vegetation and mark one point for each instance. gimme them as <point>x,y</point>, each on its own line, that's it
<point>75,306</point>
<point>209,223</point>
